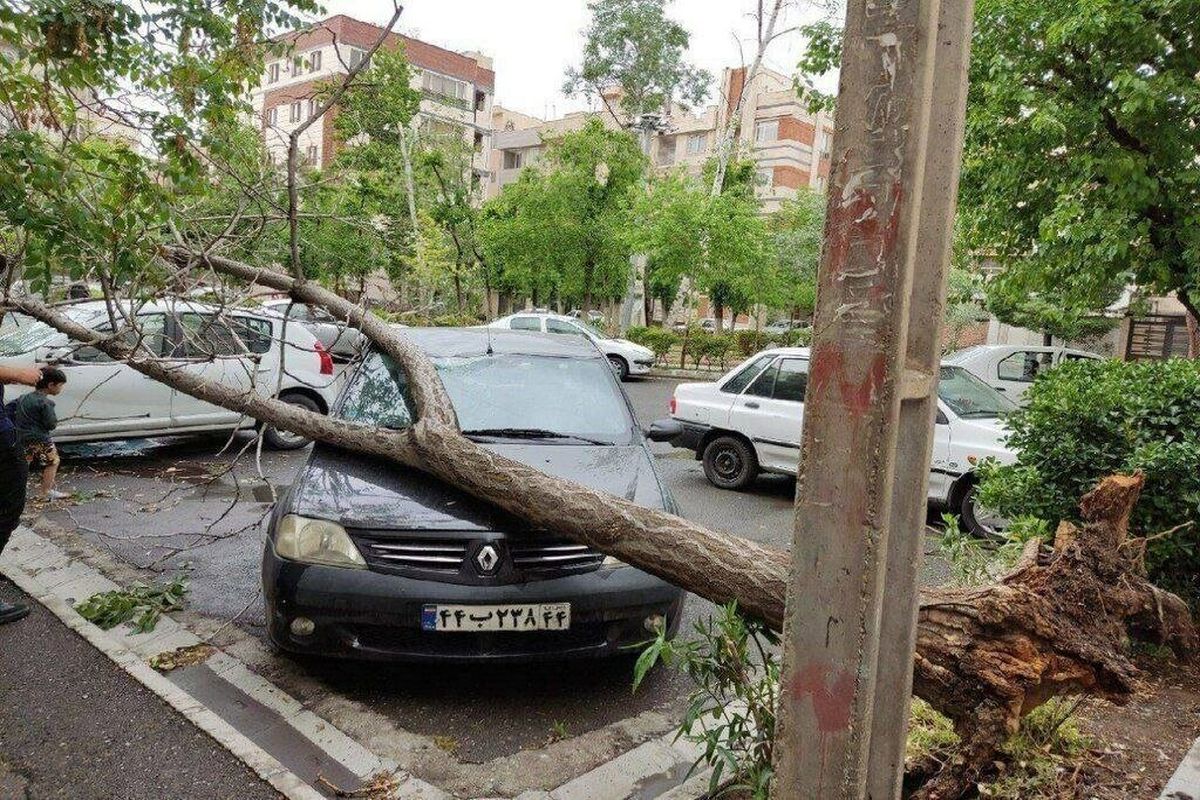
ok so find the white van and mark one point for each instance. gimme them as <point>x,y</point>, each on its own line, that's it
<point>106,399</point>
<point>749,421</point>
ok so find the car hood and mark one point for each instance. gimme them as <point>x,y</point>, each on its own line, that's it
<point>361,492</point>
<point>983,437</point>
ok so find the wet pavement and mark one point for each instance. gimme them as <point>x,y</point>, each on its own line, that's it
<point>178,505</point>
<point>73,725</point>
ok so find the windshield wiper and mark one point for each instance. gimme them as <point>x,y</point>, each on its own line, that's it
<point>530,433</point>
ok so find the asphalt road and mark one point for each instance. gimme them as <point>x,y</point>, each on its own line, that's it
<point>174,505</point>
<point>73,726</point>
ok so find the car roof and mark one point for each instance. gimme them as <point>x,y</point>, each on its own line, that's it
<point>446,342</point>
<point>545,314</point>
<point>153,306</point>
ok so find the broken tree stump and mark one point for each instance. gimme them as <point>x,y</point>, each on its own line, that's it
<point>1058,624</point>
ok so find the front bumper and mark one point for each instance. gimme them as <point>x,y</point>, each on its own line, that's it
<point>640,366</point>
<point>370,615</point>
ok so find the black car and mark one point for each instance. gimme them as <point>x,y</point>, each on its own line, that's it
<point>368,559</point>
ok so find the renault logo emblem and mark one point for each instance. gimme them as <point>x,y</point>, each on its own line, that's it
<point>487,559</point>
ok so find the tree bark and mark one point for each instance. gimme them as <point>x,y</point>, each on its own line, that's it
<point>985,656</point>
<point>1191,316</point>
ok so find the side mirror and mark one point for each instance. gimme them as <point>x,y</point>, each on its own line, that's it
<point>664,430</point>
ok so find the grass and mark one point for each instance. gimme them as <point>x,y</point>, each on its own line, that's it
<point>1039,761</point>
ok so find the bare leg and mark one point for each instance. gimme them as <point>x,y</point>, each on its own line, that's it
<point>48,475</point>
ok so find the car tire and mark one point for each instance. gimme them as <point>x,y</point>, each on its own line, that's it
<point>730,463</point>
<point>284,440</point>
<point>973,522</point>
<point>620,367</point>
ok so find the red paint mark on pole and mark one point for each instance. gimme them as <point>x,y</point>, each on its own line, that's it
<point>831,692</point>
<point>829,364</point>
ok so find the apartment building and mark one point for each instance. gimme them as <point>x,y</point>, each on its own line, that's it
<point>457,89</point>
<point>790,146</point>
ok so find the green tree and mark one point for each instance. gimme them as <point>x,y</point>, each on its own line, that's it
<point>1082,163</point>
<point>634,46</point>
<point>797,230</point>
<point>562,227</point>
<point>720,242</point>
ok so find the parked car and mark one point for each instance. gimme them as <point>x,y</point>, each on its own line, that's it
<point>365,559</point>
<point>749,421</point>
<point>625,357</point>
<point>336,336</point>
<point>106,399</point>
<point>782,326</point>
<point>1011,369</point>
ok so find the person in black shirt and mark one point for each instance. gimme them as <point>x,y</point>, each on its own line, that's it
<point>13,474</point>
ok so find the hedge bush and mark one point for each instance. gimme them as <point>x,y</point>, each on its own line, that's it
<point>1086,419</point>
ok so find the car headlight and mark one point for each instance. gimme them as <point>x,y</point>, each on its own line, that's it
<point>612,562</point>
<point>316,541</point>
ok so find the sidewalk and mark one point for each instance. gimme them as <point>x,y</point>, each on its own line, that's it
<point>74,725</point>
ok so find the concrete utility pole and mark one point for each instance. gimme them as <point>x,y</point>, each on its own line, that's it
<point>851,608</point>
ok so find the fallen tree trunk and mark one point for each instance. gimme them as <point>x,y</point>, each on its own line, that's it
<point>985,656</point>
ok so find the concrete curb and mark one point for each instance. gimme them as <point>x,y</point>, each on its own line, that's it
<point>1185,783</point>
<point>688,374</point>
<point>653,769</point>
<point>44,591</point>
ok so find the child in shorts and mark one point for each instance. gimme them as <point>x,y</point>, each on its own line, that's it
<point>35,419</point>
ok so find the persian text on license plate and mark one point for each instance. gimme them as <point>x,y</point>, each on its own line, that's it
<point>532,617</point>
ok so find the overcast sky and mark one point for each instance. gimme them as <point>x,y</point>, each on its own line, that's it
<point>534,41</point>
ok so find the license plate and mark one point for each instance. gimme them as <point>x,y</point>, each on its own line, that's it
<point>532,617</point>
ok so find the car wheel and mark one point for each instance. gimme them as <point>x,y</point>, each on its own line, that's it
<point>620,366</point>
<point>730,463</point>
<point>978,520</point>
<point>278,439</point>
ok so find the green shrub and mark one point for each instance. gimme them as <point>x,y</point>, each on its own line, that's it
<point>660,340</point>
<point>749,342</point>
<point>1087,419</point>
<point>454,321</point>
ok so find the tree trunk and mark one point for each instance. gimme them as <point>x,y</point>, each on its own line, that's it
<point>719,315</point>
<point>985,656</point>
<point>1191,316</point>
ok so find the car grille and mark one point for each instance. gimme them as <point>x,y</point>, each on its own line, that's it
<point>561,555</point>
<point>520,558</point>
<point>431,554</point>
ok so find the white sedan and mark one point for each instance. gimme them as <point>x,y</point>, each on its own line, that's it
<point>106,399</point>
<point>750,421</point>
<point>1011,368</point>
<point>625,357</point>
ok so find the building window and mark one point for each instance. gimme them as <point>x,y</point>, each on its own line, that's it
<point>821,182</point>
<point>434,128</point>
<point>354,56</point>
<point>273,72</point>
<point>445,88</point>
<point>273,115</point>
<point>512,159</point>
<point>297,64</point>
<point>313,105</point>
<point>666,151</point>
<point>696,143</point>
<point>766,178</point>
<point>294,112</point>
<point>826,142</point>
<point>310,156</point>
<point>480,101</point>
<point>766,131</point>
<point>314,61</point>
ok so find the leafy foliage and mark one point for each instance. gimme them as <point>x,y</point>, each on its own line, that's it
<point>1080,170</point>
<point>633,45</point>
<point>562,228</point>
<point>1087,419</point>
<point>142,603</point>
<point>734,663</point>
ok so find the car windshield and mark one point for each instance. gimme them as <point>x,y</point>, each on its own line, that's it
<point>33,334</point>
<point>508,396</point>
<point>969,397</point>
